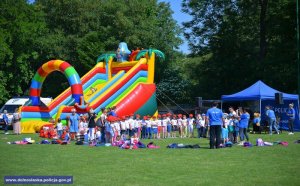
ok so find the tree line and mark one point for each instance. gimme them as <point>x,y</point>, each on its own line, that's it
<point>31,33</point>
<point>236,43</point>
<point>233,43</point>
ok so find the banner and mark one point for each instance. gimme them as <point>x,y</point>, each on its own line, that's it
<point>280,111</point>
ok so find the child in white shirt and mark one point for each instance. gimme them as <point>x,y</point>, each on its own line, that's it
<point>190,126</point>
<point>184,126</point>
<point>59,128</point>
<point>154,127</point>
<point>123,125</point>
<point>179,123</point>
<point>174,126</point>
<point>149,129</point>
<point>159,125</point>
<point>138,123</point>
<point>164,126</point>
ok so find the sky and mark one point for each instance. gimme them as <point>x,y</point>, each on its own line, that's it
<point>180,17</point>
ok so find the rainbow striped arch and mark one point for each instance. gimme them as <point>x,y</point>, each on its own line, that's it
<point>45,70</point>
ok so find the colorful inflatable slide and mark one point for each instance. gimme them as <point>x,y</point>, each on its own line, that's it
<point>128,85</point>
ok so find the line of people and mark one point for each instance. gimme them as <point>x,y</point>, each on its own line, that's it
<point>218,126</point>
<point>107,127</point>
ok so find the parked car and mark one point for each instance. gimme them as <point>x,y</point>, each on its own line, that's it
<point>14,103</point>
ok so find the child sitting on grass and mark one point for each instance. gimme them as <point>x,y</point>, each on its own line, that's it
<point>119,141</point>
<point>134,140</point>
<point>67,138</point>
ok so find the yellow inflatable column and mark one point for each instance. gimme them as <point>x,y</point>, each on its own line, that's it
<point>151,67</point>
<point>110,68</point>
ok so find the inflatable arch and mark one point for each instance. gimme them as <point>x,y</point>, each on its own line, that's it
<point>45,70</point>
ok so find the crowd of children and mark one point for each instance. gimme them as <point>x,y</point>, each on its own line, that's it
<point>109,128</point>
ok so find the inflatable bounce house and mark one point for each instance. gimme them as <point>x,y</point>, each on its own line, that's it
<point>124,79</point>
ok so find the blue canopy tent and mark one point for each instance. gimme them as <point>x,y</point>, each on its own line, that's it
<point>261,92</point>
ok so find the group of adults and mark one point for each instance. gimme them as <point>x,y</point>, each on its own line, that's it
<point>215,119</point>
<point>92,122</point>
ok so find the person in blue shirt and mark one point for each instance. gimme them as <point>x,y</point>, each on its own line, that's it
<point>243,124</point>
<point>215,120</point>
<point>236,128</point>
<point>73,120</point>
<point>256,123</point>
<point>112,111</point>
<point>291,114</point>
<point>5,119</point>
<point>271,119</point>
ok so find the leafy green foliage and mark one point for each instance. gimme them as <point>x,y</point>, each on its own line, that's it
<point>21,25</point>
<point>173,88</point>
<point>149,52</point>
<point>77,32</point>
<point>225,39</point>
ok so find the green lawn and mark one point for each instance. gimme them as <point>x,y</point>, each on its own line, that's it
<point>275,165</point>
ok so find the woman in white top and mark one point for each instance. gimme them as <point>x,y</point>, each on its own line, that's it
<point>16,121</point>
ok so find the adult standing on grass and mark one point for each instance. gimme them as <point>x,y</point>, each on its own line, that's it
<point>73,122</point>
<point>243,124</point>
<point>16,121</point>
<point>215,120</point>
<point>5,119</point>
<point>102,121</point>
<point>92,124</point>
<point>231,111</point>
<point>271,119</point>
<point>291,114</point>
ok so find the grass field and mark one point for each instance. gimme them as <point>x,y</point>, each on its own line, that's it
<point>277,165</point>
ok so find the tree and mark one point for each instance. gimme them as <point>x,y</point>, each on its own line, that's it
<point>173,88</point>
<point>76,31</point>
<point>79,31</point>
<point>263,43</point>
<point>21,24</point>
<point>235,43</point>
